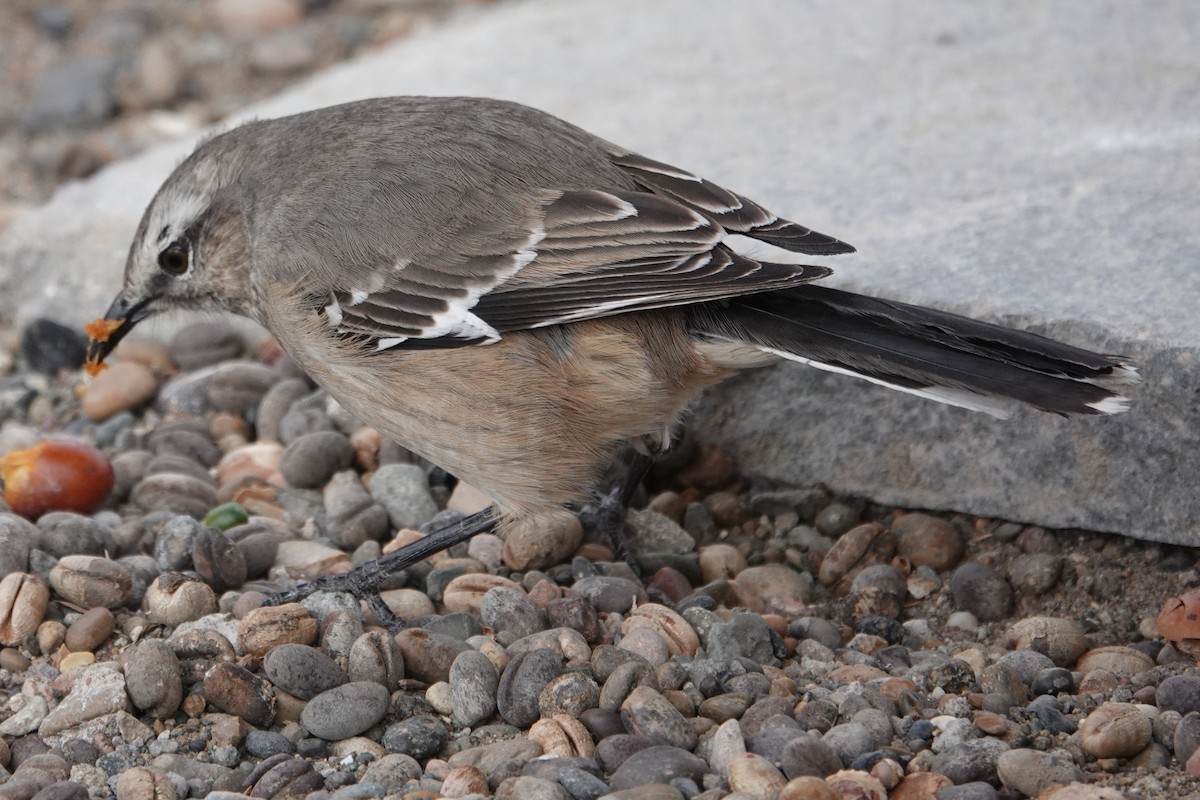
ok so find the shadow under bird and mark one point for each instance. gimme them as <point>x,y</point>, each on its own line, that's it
<point>524,304</point>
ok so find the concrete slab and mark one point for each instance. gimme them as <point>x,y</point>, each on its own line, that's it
<point>1024,162</point>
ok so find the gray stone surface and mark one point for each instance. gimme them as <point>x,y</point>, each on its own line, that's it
<point>1019,162</point>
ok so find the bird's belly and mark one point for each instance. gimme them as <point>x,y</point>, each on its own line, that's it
<point>531,421</point>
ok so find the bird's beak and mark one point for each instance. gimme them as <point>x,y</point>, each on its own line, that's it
<point>120,318</point>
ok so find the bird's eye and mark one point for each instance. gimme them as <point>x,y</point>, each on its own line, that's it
<point>174,259</point>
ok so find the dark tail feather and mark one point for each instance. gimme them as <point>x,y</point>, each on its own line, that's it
<point>932,353</point>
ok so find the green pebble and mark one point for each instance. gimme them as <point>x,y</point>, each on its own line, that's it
<point>226,516</point>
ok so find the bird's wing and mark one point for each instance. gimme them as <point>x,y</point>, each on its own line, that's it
<point>732,211</point>
<point>583,254</point>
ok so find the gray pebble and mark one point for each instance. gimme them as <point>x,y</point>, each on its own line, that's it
<point>982,590</point>
<point>181,494</point>
<point>659,764</point>
<point>975,790</point>
<point>970,761</point>
<point>178,465</point>
<point>651,532</point>
<point>63,533</point>
<point>773,737</point>
<point>835,519</point>
<point>152,677</point>
<point>809,755</point>
<point>1026,663</point>
<point>1034,574</point>
<point>185,393</point>
<point>1032,771</point>
<point>473,683</point>
<point>17,537</point>
<point>175,542</point>
<point>204,344</point>
<point>581,785</point>
<point>375,656</point>
<point>805,503</point>
<point>849,741</point>
<point>571,693</point>
<point>745,635</point>
<point>239,387</point>
<point>275,404</point>
<point>1187,736</point>
<point>345,710</point>
<point>302,671</point>
<point>421,736</point>
<point>817,629</point>
<point>186,441</point>
<point>609,594</point>
<point>310,461</point>
<point>403,490</point>
<point>699,523</point>
<point>392,772</point>
<point>352,516</point>
<point>521,684</point>
<point>510,614</point>
<point>307,415</point>
<point>1177,693</point>
<point>647,713</point>
<point>459,625</point>
<point>264,744</point>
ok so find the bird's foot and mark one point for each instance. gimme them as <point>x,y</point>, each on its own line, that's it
<point>364,581</point>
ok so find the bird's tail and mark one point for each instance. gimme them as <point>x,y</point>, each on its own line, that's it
<point>945,357</point>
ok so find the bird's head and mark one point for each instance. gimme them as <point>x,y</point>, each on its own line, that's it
<point>191,250</point>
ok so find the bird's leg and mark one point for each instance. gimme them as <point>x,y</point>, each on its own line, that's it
<point>608,514</point>
<point>365,580</point>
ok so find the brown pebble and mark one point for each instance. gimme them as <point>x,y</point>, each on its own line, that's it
<point>172,598</point>
<point>226,423</point>
<point>542,540</point>
<point>465,592</point>
<point>267,627</point>
<point>463,781</point>
<point>144,783</point>
<point>924,540</point>
<point>670,504</point>
<point>755,776</point>
<point>1179,618</point>
<point>91,581</point>
<point>150,353</point>
<point>1124,662</point>
<point>124,386</point>
<point>678,634</point>
<point>920,786</point>
<point>1115,730</point>
<point>1060,639</point>
<point>710,469</point>
<point>720,561</point>
<point>1098,681</point>
<point>858,547</point>
<point>726,509</point>
<point>90,630</point>
<point>23,601</point>
<point>1083,791</point>
<point>856,784</point>
<point>808,788</point>
<point>72,660</point>
<point>238,691</point>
